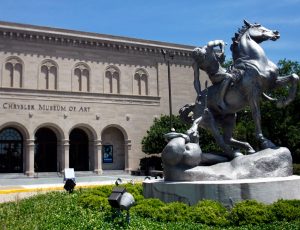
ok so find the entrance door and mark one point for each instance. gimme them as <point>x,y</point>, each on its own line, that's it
<point>79,150</point>
<point>11,151</point>
<point>45,157</point>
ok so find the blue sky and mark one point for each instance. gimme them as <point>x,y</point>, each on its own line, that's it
<point>190,22</point>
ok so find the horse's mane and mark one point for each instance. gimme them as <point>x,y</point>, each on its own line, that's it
<point>236,39</point>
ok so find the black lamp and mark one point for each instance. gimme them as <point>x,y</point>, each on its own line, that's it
<point>121,200</point>
<point>69,179</point>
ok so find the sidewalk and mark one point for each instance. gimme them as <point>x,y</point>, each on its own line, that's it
<point>14,187</point>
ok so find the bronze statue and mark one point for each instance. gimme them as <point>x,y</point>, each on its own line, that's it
<point>252,75</point>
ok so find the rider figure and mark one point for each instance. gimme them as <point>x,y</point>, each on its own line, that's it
<point>208,60</point>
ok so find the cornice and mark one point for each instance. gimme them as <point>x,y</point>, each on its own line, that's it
<point>79,97</point>
<point>14,31</point>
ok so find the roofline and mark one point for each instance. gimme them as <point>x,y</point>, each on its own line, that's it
<point>89,35</point>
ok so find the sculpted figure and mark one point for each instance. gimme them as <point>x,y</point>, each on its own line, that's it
<point>207,59</point>
<point>256,74</point>
<point>251,75</point>
<point>183,149</point>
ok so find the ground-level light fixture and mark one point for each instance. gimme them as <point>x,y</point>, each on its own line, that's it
<point>118,182</point>
<point>120,199</point>
<point>69,179</point>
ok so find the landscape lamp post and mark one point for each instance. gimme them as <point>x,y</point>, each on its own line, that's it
<point>121,199</point>
<point>167,57</point>
<point>69,179</point>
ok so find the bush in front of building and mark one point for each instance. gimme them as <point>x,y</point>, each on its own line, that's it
<point>251,212</point>
<point>209,212</point>
<point>148,208</point>
<point>96,198</point>
<point>286,210</point>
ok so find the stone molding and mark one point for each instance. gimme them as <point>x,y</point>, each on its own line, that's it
<point>15,31</point>
<point>66,96</point>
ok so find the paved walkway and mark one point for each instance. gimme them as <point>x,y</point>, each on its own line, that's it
<point>14,186</point>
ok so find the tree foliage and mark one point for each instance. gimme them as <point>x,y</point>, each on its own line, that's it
<point>154,141</point>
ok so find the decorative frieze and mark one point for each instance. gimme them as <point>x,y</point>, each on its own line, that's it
<point>91,41</point>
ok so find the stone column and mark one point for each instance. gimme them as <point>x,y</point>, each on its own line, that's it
<point>127,149</point>
<point>29,158</point>
<point>65,155</point>
<point>98,157</point>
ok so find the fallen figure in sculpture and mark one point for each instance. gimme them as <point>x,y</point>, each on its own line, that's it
<point>183,160</point>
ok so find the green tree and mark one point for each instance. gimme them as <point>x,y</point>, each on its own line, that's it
<point>154,141</point>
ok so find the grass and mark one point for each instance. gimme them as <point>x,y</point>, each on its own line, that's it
<point>61,210</point>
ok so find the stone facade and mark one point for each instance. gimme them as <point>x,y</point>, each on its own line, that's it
<point>67,95</point>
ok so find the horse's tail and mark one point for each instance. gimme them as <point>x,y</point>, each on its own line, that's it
<point>282,102</point>
<point>269,98</point>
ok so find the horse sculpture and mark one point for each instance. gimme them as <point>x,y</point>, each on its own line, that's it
<point>257,75</point>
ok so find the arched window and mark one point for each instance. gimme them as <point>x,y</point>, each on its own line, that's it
<point>81,77</point>
<point>112,80</point>
<point>13,72</point>
<point>48,76</point>
<point>140,82</point>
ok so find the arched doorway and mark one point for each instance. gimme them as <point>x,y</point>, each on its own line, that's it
<point>113,149</point>
<point>79,150</point>
<point>45,156</point>
<point>11,151</point>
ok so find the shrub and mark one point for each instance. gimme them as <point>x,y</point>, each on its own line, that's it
<point>209,212</point>
<point>250,212</point>
<point>163,212</point>
<point>97,198</point>
<point>148,208</point>
<point>94,202</point>
<point>287,210</point>
<point>136,190</point>
<point>174,212</point>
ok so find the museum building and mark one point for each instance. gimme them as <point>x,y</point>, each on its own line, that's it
<point>83,100</point>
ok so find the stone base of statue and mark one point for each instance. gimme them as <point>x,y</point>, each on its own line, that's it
<point>228,192</point>
<point>265,176</point>
<point>265,163</point>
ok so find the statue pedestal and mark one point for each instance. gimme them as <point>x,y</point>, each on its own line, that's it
<point>265,163</point>
<point>228,192</point>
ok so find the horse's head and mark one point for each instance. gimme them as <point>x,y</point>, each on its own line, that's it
<point>250,32</point>
<point>259,33</point>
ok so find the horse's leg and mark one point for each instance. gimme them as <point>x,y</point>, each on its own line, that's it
<point>209,123</point>
<point>283,81</point>
<point>255,109</point>
<point>228,124</point>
